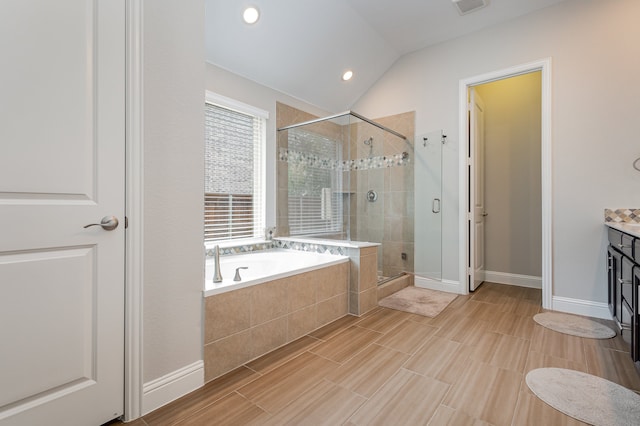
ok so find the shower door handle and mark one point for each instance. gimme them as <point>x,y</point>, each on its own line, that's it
<point>435,205</point>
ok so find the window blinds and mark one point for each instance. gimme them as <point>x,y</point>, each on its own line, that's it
<point>315,184</point>
<point>233,174</point>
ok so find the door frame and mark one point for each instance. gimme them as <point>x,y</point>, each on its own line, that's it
<point>134,208</point>
<point>544,66</point>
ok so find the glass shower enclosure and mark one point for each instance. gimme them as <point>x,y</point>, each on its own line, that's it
<point>349,178</point>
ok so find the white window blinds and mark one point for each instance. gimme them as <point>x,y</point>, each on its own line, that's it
<point>315,184</point>
<point>234,144</point>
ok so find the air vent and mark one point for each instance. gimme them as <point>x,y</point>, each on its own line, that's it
<point>467,6</point>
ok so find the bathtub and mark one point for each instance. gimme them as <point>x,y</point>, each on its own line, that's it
<point>264,265</point>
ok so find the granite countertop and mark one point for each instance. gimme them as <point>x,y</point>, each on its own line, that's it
<point>631,228</point>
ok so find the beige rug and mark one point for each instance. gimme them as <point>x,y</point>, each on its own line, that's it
<point>421,301</point>
<point>588,398</point>
<point>574,325</point>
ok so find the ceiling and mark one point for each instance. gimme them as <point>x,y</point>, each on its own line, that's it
<point>302,47</point>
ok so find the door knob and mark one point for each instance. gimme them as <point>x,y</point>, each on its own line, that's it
<point>108,223</point>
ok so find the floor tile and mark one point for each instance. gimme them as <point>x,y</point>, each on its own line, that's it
<point>383,320</point>
<point>347,344</point>
<point>195,401</point>
<point>486,392</point>
<point>532,411</point>
<point>281,355</point>
<point>406,399</point>
<point>369,370</point>
<point>274,390</point>
<point>323,404</point>
<point>231,410</point>
<point>407,337</point>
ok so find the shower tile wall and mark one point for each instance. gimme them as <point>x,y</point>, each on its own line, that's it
<point>389,219</point>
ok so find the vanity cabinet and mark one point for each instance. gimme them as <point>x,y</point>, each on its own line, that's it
<point>623,264</point>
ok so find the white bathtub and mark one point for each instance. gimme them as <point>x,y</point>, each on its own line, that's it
<point>264,265</point>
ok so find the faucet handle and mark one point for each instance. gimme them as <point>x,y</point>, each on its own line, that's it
<point>237,277</point>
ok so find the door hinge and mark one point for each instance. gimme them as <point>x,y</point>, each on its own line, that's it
<point>126,222</point>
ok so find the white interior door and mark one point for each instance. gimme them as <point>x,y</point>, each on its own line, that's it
<point>477,212</point>
<point>62,149</point>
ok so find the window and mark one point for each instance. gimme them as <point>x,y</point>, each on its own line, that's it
<point>234,170</point>
<point>315,184</point>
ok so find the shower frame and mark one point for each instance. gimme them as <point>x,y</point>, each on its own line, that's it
<point>357,181</point>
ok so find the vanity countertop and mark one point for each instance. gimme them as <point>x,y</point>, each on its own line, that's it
<point>629,228</point>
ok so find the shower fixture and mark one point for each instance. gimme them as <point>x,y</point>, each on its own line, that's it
<point>369,143</point>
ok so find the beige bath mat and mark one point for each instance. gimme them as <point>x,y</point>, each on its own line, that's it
<point>574,325</point>
<point>421,301</point>
<point>588,398</point>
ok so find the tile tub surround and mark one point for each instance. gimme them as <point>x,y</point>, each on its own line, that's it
<point>244,324</point>
<point>263,266</point>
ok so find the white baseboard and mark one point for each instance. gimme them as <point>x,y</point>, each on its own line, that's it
<point>442,285</point>
<point>581,307</point>
<point>172,386</point>
<point>513,279</point>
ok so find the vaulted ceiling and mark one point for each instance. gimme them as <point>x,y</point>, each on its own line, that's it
<point>302,47</point>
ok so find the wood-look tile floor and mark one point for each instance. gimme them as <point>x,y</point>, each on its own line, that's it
<point>464,367</point>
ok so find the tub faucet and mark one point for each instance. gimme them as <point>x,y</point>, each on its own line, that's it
<point>237,277</point>
<point>217,274</point>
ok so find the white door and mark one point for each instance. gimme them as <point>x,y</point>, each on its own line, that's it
<point>62,148</point>
<point>476,190</point>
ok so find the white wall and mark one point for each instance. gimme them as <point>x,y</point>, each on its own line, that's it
<point>173,126</point>
<point>249,92</point>
<point>596,63</point>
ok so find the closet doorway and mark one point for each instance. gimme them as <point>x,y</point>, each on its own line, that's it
<point>505,179</point>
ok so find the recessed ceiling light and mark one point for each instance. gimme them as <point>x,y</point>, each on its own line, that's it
<point>347,75</point>
<point>251,15</point>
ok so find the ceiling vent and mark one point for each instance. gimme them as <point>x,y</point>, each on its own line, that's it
<point>467,6</point>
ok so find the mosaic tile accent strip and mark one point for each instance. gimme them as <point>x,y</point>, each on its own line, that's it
<point>289,245</point>
<point>245,248</point>
<point>316,248</point>
<point>622,215</point>
<point>311,160</point>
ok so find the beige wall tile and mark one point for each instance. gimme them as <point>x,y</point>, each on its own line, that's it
<point>268,301</point>
<point>332,281</point>
<point>368,272</point>
<point>354,303</point>
<point>354,274</point>
<point>268,336</point>
<point>301,322</point>
<point>226,354</point>
<point>393,286</point>
<point>331,309</point>
<point>226,314</point>
<point>302,291</point>
<point>366,251</point>
<point>368,300</point>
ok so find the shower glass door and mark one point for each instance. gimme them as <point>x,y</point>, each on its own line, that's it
<point>428,206</point>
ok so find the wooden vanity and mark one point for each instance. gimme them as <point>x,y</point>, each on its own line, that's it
<point>623,263</point>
